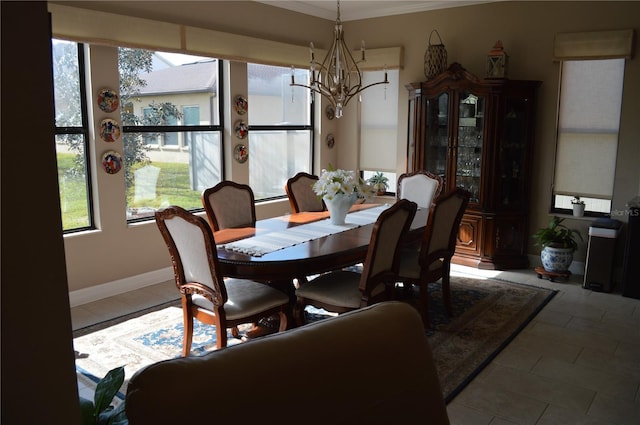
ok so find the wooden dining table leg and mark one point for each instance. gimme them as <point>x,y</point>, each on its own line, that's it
<point>271,324</point>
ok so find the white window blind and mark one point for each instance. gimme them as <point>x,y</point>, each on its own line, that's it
<point>588,125</point>
<point>379,122</point>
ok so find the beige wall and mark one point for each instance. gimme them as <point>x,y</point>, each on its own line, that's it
<point>526,28</point>
<point>527,31</point>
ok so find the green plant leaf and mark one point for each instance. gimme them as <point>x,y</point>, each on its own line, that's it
<point>107,388</point>
<point>87,412</point>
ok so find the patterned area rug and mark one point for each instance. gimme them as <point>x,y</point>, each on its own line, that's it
<point>489,313</point>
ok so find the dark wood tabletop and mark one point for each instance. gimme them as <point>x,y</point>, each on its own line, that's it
<point>316,256</point>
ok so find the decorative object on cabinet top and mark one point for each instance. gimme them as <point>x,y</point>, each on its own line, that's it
<point>497,61</point>
<point>435,58</point>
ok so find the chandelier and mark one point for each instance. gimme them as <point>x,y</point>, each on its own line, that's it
<point>338,77</point>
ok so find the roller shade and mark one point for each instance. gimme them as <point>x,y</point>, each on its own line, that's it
<point>588,126</point>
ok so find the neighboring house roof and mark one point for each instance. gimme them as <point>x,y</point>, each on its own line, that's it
<point>187,78</point>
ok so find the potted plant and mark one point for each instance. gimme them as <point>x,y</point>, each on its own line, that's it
<point>379,182</point>
<point>558,244</point>
<point>578,206</point>
<point>100,411</point>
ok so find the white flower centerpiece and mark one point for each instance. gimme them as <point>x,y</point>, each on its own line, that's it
<point>340,189</point>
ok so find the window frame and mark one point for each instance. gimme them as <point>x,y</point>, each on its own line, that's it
<point>84,132</point>
<point>289,127</point>
<point>181,128</point>
<point>557,198</point>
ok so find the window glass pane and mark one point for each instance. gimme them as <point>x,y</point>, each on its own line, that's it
<point>178,153</point>
<point>72,180</point>
<point>272,101</point>
<point>173,177</point>
<point>277,155</point>
<point>71,136</point>
<point>66,77</point>
<point>392,183</point>
<point>280,132</point>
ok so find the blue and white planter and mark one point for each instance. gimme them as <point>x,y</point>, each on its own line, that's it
<point>556,260</point>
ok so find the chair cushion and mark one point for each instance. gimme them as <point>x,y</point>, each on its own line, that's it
<point>339,288</point>
<point>410,266</point>
<point>245,298</point>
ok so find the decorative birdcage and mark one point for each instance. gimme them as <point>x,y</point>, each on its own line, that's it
<point>435,58</point>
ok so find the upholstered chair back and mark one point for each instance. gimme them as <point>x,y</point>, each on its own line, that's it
<point>229,204</point>
<point>421,187</point>
<point>382,262</point>
<point>301,195</point>
<point>192,250</point>
<point>443,225</point>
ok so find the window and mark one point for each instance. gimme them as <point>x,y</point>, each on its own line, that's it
<point>280,128</point>
<point>171,129</point>
<point>71,135</point>
<point>588,125</point>
<point>379,117</point>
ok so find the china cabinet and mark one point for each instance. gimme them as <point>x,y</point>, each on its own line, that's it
<point>478,134</point>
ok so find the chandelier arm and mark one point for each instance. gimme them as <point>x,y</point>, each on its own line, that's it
<point>362,89</point>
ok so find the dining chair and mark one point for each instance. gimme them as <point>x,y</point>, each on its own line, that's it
<point>229,204</point>
<point>344,290</point>
<point>421,187</point>
<point>430,260</point>
<point>302,198</point>
<point>206,295</point>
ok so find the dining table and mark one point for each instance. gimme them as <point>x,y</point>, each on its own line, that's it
<point>308,253</point>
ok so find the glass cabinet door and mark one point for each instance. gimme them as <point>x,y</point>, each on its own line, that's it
<point>470,142</point>
<point>437,128</point>
<point>512,151</point>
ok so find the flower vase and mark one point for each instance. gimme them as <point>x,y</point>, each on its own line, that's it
<point>338,207</point>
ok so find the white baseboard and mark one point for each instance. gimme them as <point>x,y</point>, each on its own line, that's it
<point>117,287</point>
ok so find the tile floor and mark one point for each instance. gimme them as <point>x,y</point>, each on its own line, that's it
<point>576,363</point>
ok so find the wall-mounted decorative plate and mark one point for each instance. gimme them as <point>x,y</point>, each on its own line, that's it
<point>241,105</point>
<point>108,100</point>
<point>109,130</point>
<point>241,129</point>
<point>330,111</point>
<point>330,140</point>
<point>241,153</point>
<point>111,162</point>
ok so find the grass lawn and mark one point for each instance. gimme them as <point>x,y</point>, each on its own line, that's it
<point>173,188</point>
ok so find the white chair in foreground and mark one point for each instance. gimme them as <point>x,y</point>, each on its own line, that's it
<point>206,296</point>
